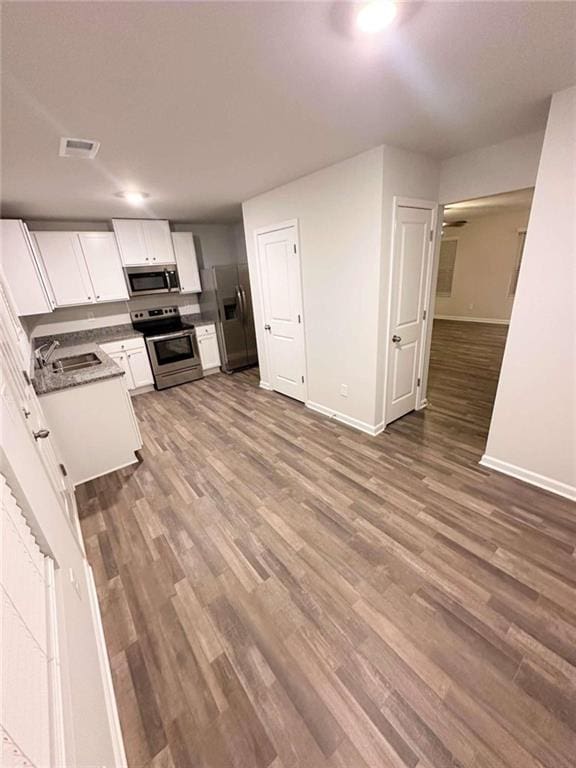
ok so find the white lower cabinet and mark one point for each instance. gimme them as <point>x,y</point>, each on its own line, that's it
<point>132,356</point>
<point>208,347</point>
<point>96,427</point>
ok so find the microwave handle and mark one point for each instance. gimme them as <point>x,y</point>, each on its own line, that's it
<point>172,282</point>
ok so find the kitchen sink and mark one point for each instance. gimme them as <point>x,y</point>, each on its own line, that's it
<point>76,362</point>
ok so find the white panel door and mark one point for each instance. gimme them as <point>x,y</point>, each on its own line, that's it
<point>139,365</point>
<point>186,261</point>
<point>131,242</point>
<point>411,250</point>
<point>65,267</point>
<point>158,241</point>
<point>279,265</point>
<point>104,265</point>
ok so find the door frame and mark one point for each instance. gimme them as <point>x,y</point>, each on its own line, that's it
<point>264,231</point>
<point>430,281</point>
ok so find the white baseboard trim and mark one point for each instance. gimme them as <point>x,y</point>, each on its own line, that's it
<point>489,320</point>
<point>362,426</point>
<point>265,385</point>
<point>533,478</point>
<point>110,699</point>
<point>141,390</point>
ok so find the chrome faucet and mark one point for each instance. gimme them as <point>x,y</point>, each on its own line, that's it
<point>43,358</point>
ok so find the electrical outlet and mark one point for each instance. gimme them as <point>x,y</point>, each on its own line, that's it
<point>470,306</point>
<point>90,315</point>
<point>344,390</point>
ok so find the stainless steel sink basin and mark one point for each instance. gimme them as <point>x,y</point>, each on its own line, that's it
<point>76,362</point>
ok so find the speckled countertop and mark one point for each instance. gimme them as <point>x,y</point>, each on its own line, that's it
<point>47,380</point>
<point>92,335</point>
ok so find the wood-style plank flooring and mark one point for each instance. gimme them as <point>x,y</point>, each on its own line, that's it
<point>280,591</point>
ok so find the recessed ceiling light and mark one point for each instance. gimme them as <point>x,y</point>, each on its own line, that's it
<point>376,15</point>
<point>134,198</point>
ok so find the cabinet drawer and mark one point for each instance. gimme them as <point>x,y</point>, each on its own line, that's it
<point>123,345</point>
<point>205,330</point>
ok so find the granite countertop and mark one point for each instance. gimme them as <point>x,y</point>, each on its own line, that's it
<point>92,335</point>
<point>46,380</point>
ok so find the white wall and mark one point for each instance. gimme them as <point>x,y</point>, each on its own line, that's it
<point>503,167</point>
<point>215,243</point>
<point>68,319</point>
<point>485,259</point>
<point>533,429</point>
<point>339,211</point>
<point>345,222</point>
<point>404,174</point>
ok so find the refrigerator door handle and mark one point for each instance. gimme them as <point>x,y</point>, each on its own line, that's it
<point>244,305</point>
<point>240,301</point>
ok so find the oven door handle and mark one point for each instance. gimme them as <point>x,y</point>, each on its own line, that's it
<point>178,335</point>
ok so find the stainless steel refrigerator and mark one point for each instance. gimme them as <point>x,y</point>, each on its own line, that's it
<point>226,299</point>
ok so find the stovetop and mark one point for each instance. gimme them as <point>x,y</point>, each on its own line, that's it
<point>154,322</point>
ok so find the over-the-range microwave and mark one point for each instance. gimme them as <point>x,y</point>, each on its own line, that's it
<point>157,279</point>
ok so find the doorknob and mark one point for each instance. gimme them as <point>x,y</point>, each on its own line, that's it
<point>396,339</point>
<point>41,434</point>
<point>267,327</point>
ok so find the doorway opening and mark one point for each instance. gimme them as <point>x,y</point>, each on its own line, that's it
<point>481,252</point>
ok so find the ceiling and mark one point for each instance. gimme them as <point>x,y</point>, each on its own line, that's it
<point>203,105</point>
<point>520,200</point>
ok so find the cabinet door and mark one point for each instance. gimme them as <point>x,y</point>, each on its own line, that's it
<point>21,270</point>
<point>65,267</point>
<point>104,265</point>
<point>209,353</point>
<point>185,253</point>
<point>121,359</point>
<point>140,367</point>
<point>131,241</point>
<point>158,241</point>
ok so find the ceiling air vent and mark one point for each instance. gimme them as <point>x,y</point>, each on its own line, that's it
<point>85,148</point>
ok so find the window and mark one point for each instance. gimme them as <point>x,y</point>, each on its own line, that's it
<point>446,267</point>
<point>517,262</point>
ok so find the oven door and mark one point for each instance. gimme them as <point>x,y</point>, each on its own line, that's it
<point>144,280</point>
<point>172,352</point>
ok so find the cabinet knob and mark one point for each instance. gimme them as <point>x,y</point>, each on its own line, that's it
<point>89,298</point>
<point>41,434</point>
<point>97,297</point>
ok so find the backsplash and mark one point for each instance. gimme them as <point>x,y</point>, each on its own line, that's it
<point>69,319</point>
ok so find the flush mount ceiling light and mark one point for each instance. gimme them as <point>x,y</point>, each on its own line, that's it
<point>134,198</point>
<point>375,16</point>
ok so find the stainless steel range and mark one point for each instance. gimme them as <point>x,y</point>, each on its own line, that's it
<point>171,343</point>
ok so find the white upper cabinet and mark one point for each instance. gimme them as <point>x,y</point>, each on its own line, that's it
<point>104,265</point>
<point>186,261</point>
<point>82,267</point>
<point>22,271</point>
<point>66,268</point>
<point>158,241</point>
<point>144,241</point>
